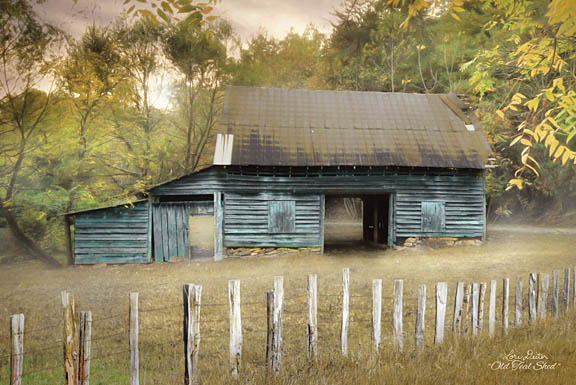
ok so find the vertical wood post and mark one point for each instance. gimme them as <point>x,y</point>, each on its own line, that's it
<point>17,348</point>
<point>532,297</point>
<point>458,301</point>
<point>218,226</point>
<point>70,345</point>
<point>492,309</point>
<point>345,311</point>
<point>192,300</point>
<point>68,238</point>
<point>467,311</point>
<point>518,303</point>
<point>134,353</point>
<point>312,329</point>
<point>397,317</point>
<point>441,299</point>
<point>277,315</point>
<point>475,308</point>
<point>420,318</point>
<point>505,302</point>
<point>481,302</point>
<point>269,318</point>
<point>376,314</point>
<point>543,295</point>
<point>574,290</point>
<point>85,348</point>
<point>566,289</point>
<point>555,292</point>
<point>235,327</point>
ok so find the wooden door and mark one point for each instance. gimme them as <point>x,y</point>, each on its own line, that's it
<point>170,224</point>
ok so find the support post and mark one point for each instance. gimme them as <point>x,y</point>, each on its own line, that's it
<point>543,295</point>
<point>420,318</point>
<point>134,353</point>
<point>17,348</point>
<point>458,302</point>
<point>475,308</point>
<point>397,317</point>
<point>518,303</point>
<point>555,292</point>
<point>345,311</point>
<point>68,237</point>
<point>376,314</point>
<point>566,289</point>
<point>467,311</point>
<point>492,309</point>
<point>192,299</point>
<point>441,297</point>
<point>218,227</point>
<point>277,322</point>
<point>481,303</point>
<point>269,331</point>
<point>532,297</point>
<point>235,327</point>
<point>505,302</point>
<point>85,348</point>
<point>70,345</point>
<point>312,329</point>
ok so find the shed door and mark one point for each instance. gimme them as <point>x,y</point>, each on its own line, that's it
<point>433,217</point>
<point>170,222</point>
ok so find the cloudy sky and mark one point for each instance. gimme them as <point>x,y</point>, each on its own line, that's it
<point>247,16</point>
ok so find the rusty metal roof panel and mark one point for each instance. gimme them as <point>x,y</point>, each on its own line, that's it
<point>282,127</point>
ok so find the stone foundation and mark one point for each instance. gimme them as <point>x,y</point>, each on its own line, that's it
<point>440,242</point>
<point>269,251</point>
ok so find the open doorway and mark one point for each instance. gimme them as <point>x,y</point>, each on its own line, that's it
<point>201,236</point>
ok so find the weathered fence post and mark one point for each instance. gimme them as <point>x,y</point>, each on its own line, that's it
<point>420,317</point>
<point>441,297</point>
<point>482,297</point>
<point>397,317</point>
<point>192,299</point>
<point>467,312</point>
<point>492,309</point>
<point>312,329</point>
<point>235,327</point>
<point>543,295</point>
<point>505,302</point>
<point>269,322</point>
<point>70,345</point>
<point>475,308</point>
<point>345,310</point>
<point>458,301</point>
<point>85,348</point>
<point>574,290</point>
<point>376,314</point>
<point>17,348</point>
<point>555,292</point>
<point>566,289</point>
<point>532,297</point>
<point>518,303</point>
<point>277,324</point>
<point>134,352</point>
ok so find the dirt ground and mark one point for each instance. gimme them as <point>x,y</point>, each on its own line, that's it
<point>31,289</point>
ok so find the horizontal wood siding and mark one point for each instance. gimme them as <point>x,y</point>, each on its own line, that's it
<point>112,235</point>
<point>246,221</point>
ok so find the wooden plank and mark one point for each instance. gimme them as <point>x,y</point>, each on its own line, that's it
<point>277,321</point>
<point>85,351</point>
<point>532,297</point>
<point>69,343</point>
<point>555,292</point>
<point>322,222</point>
<point>475,308</point>
<point>192,300</point>
<point>235,327</point>
<point>345,311</point>
<point>312,318</point>
<point>420,318</point>
<point>518,303</point>
<point>157,228</point>
<point>134,351</point>
<point>397,330</point>
<point>165,234</point>
<point>481,301</point>
<point>269,333</point>
<point>505,304</point>
<point>566,289</point>
<point>492,309</point>
<point>441,300</point>
<point>376,314</point>
<point>171,230</point>
<point>218,227</point>
<point>543,295</point>
<point>16,348</point>
<point>467,311</point>
<point>149,233</point>
<point>458,302</point>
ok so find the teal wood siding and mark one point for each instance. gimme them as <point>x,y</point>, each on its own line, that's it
<point>433,217</point>
<point>112,235</point>
<point>265,220</point>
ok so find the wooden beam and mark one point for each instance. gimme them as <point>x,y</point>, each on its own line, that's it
<point>218,226</point>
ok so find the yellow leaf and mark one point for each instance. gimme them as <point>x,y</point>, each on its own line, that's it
<point>518,183</point>
<point>515,140</point>
<point>559,152</point>
<point>500,114</point>
<point>455,16</point>
<point>526,142</point>
<point>567,155</point>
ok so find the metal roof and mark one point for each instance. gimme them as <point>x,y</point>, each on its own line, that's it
<point>290,127</point>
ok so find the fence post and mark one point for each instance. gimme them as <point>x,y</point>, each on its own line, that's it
<point>134,353</point>
<point>458,301</point>
<point>518,303</point>
<point>483,287</point>
<point>192,300</point>
<point>376,314</point>
<point>532,297</point>
<point>543,295</point>
<point>492,309</point>
<point>420,317</point>
<point>269,331</point>
<point>467,312</point>
<point>235,327</point>
<point>566,289</point>
<point>85,348</point>
<point>505,302</point>
<point>277,324</point>
<point>574,290</point>
<point>555,292</point>
<point>397,318</point>
<point>475,307</point>
<point>345,311</point>
<point>69,313</point>
<point>17,346</point>
<point>312,330</point>
<point>441,296</point>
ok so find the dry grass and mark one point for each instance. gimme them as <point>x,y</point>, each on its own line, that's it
<point>34,291</point>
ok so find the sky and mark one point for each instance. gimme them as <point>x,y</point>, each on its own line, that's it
<point>247,16</point>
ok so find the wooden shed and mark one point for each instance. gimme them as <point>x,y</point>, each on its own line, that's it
<point>416,161</point>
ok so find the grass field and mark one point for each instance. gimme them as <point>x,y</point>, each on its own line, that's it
<point>30,289</point>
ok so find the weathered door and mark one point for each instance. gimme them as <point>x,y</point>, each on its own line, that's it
<point>170,223</point>
<point>433,217</point>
